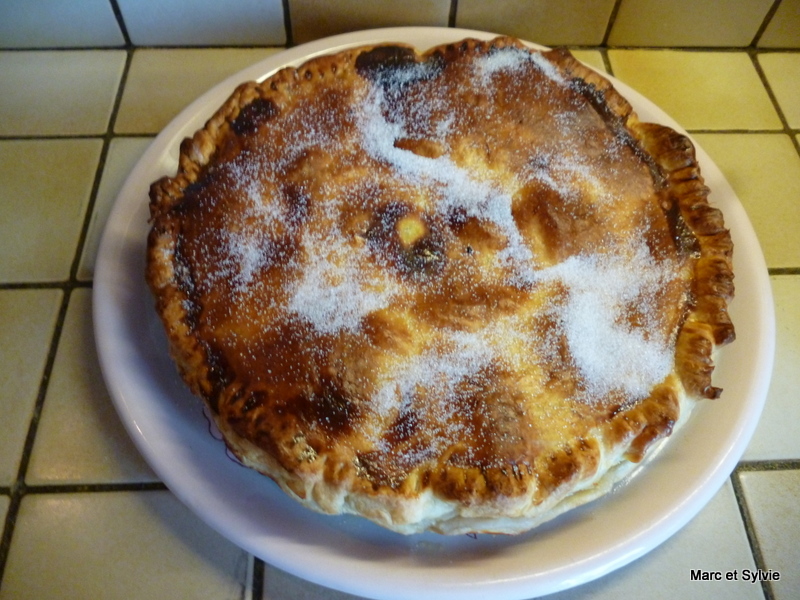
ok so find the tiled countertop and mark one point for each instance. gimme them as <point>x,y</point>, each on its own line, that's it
<point>83,516</point>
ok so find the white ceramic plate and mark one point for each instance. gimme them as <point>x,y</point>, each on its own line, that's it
<point>356,556</point>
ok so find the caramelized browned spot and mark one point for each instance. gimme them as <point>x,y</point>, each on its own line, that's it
<point>255,114</point>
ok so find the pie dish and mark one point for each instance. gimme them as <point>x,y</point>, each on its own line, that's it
<point>460,291</point>
<point>669,487</point>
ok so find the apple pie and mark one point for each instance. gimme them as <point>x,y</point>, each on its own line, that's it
<point>459,290</point>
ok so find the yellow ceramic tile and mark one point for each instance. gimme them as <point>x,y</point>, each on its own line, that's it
<point>778,433</point>
<point>80,438</point>
<point>772,502</point>
<point>764,170</point>
<point>118,545</point>
<point>783,30</point>
<point>688,22</point>
<point>701,90</point>
<point>550,23</point>
<point>204,22</point>
<point>27,320</point>
<point>123,153</point>
<point>44,190</point>
<point>593,58</point>
<point>58,93</point>
<point>783,74</point>
<point>54,24</point>
<point>313,19</point>
<point>161,83</point>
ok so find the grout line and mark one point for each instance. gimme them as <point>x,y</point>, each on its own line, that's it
<point>750,531</point>
<point>451,17</point>
<point>213,47</point>
<point>787,129</point>
<point>135,135</point>
<point>750,466</point>
<point>94,488</point>
<point>53,136</point>
<point>290,43</point>
<point>607,61</point>
<point>287,24</point>
<point>61,48</point>
<point>8,528</point>
<point>786,50</point>
<point>101,164</point>
<point>123,81</point>
<point>596,47</point>
<point>77,136</point>
<point>257,581</point>
<point>44,285</point>
<point>612,19</point>
<point>121,22</point>
<point>765,23</point>
<point>76,259</point>
<point>149,47</point>
<point>784,271</point>
<point>721,49</point>
<point>738,131</point>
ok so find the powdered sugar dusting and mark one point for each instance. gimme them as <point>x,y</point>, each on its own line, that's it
<point>456,187</point>
<point>336,277</point>
<point>247,244</point>
<point>609,352</point>
<point>427,386</point>
<point>334,291</point>
<point>438,370</point>
<point>513,60</point>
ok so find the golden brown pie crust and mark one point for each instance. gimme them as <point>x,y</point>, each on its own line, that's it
<point>463,290</point>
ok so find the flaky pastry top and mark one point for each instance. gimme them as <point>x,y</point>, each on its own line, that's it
<point>470,272</point>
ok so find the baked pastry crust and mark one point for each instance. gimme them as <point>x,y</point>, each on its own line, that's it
<point>462,290</point>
